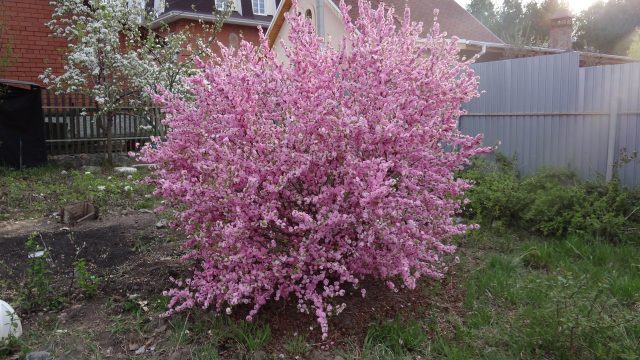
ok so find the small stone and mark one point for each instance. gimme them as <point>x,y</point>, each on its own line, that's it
<point>133,347</point>
<point>160,329</point>
<point>38,355</point>
<point>141,350</point>
<point>162,224</point>
<point>259,355</point>
<point>125,170</point>
<point>91,169</point>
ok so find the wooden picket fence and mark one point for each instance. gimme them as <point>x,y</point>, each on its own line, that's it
<point>72,126</point>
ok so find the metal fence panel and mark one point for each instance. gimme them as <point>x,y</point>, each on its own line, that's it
<point>548,112</point>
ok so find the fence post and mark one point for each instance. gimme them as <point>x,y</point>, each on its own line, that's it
<point>613,131</point>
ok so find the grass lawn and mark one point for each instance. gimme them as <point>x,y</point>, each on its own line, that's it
<point>513,295</point>
<point>39,192</point>
<point>529,298</point>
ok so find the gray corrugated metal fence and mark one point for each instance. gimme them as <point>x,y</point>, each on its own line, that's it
<point>549,112</point>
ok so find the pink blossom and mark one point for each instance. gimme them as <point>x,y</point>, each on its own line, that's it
<point>303,179</point>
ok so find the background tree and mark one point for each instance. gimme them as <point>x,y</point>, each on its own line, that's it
<point>608,27</point>
<point>516,22</point>
<point>485,11</point>
<point>114,59</point>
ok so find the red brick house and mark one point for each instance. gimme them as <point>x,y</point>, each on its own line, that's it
<point>243,22</point>
<point>34,48</point>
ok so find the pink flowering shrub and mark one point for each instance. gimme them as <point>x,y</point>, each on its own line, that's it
<point>302,179</point>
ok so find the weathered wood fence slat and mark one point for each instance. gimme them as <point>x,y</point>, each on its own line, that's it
<point>72,126</point>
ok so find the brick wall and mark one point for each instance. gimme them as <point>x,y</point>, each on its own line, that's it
<point>34,49</point>
<point>229,33</point>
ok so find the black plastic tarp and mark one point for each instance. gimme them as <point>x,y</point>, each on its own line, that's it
<point>22,140</point>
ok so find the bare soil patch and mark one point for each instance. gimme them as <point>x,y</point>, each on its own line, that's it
<point>135,261</point>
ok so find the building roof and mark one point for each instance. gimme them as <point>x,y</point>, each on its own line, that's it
<point>204,10</point>
<point>453,18</point>
<point>502,50</point>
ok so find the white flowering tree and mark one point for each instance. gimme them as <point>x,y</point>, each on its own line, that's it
<point>113,58</point>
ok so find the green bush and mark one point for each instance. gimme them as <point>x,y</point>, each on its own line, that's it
<point>551,202</point>
<point>496,196</point>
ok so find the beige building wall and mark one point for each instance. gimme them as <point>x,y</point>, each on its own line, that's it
<point>326,19</point>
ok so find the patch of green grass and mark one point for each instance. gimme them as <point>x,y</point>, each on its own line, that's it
<point>398,336</point>
<point>297,346</point>
<point>546,298</point>
<point>250,335</point>
<point>206,352</point>
<point>38,192</point>
<point>199,329</point>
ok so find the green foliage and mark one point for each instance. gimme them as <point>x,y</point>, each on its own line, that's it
<point>551,202</point>
<point>297,346</point>
<point>398,336</point>
<point>36,291</point>
<point>10,345</point>
<point>608,27</point>
<point>250,335</point>
<point>84,280</point>
<point>496,196</point>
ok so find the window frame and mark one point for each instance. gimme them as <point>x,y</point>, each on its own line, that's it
<point>220,4</point>
<point>254,8</point>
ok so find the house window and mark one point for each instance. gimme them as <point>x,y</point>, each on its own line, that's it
<point>221,4</point>
<point>259,7</point>
<point>308,14</point>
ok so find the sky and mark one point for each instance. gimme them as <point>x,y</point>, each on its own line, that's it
<point>576,6</point>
